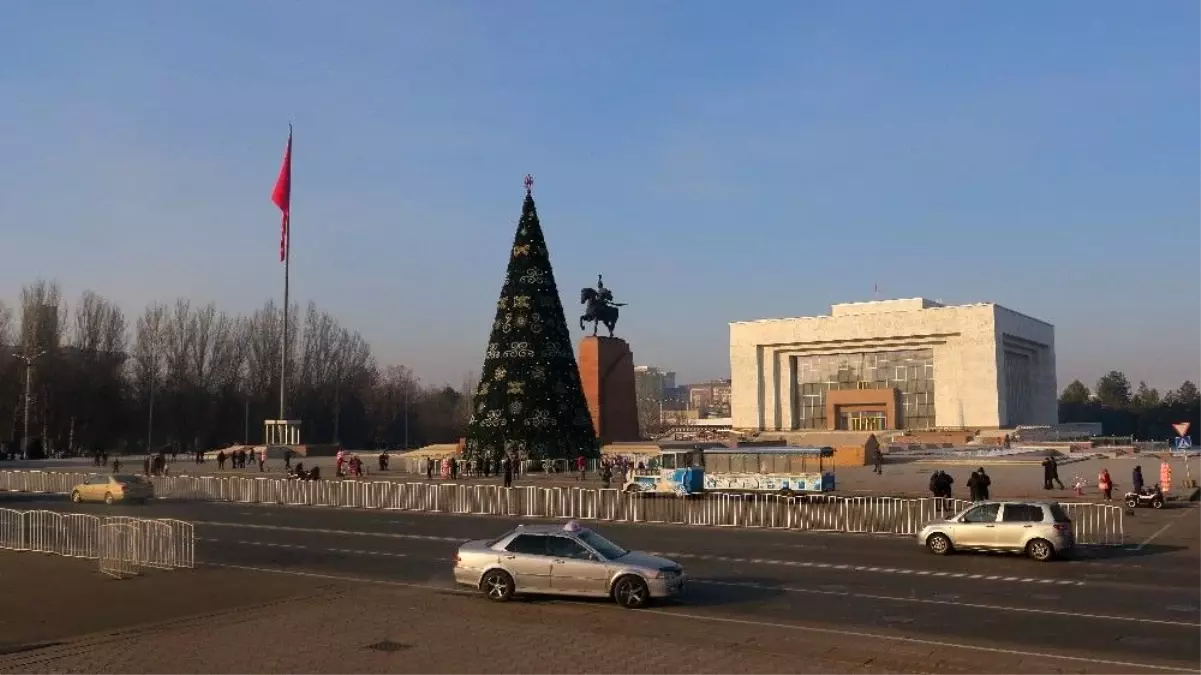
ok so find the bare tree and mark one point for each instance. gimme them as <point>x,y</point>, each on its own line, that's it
<point>149,359</point>
<point>43,321</point>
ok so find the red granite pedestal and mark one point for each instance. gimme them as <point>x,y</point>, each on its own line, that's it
<point>607,374</point>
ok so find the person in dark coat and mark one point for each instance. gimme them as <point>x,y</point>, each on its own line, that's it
<point>1054,473</point>
<point>973,486</point>
<point>982,483</point>
<point>945,482</point>
<point>1136,479</point>
<point>508,462</point>
<point>1046,473</point>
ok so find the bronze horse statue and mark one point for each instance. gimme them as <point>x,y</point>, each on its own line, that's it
<point>598,310</point>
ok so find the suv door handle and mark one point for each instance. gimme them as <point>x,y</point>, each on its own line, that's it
<point>990,526</point>
<point>510,557</point>
<point>560,561</point>
<point>1027,526</point>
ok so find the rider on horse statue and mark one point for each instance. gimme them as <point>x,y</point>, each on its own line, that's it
<point>600,307</point>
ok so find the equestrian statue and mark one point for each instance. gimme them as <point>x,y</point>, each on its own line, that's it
<point>599,307</point>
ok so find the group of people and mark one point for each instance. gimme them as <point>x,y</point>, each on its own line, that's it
<point>240,458</point>
<point>977,484</point>
<point>451,468</point>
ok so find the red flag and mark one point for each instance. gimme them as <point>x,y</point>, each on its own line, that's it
<point>282,196</point>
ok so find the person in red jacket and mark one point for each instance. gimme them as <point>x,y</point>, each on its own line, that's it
<point>1105,484</point>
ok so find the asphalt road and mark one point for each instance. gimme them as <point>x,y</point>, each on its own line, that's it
<point>1106,610</point>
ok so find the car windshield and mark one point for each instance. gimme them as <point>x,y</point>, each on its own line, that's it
<point>128,479</point>
<point>603,546</point>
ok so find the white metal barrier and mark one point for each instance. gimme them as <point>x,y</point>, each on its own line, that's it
<point>1094,523</point>
<point>119,552</point>
<point>162,544</point>
<point>12,530</point>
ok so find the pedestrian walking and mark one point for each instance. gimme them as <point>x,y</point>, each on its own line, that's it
<point>508,462</point>
<point>1054,472</point>
<point>1136,479</point>
<point>429,468</point>
<point>1046,473</point>
<point>288,459</point>
<point>582,467</point>
<point>220,459</point>
<point>878,456</point>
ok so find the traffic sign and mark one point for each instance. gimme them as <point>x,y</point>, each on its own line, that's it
<point>1181,428</point>
<point>1184,443</point>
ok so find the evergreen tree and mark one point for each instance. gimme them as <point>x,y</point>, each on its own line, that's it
<point>530,402</point>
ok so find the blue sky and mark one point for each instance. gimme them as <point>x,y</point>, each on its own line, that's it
<point>714,164</point>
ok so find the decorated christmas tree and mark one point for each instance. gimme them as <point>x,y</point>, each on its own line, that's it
<point>530,403</point>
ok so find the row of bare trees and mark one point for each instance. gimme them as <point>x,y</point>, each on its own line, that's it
<point>190,376</point>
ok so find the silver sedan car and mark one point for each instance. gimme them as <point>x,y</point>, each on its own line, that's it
<point>565,560</point>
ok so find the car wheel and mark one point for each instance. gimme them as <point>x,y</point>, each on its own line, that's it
<point>497,586</point>
<point>108,498</point>
<point>1157,503</point>
<point>1132,502</point>
<point>76,497</point>
<point>632,490</point>
<point>786,493</point>
<point>631,592</point>
<point>939,543</point>
<point>1040,550</point>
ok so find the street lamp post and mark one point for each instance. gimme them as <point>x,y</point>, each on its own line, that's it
<point>28,393</point>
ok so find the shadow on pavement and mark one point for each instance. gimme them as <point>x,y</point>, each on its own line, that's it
<point>17,498</point>
<point>709,592</point>
<point>1124,552</point>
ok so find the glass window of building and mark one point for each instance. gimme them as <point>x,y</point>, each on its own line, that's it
<point>910,371</point>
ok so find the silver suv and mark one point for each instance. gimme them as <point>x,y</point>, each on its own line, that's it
<point>1041,530</point>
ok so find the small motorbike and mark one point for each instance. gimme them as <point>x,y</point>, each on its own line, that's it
<point>1147,496</point>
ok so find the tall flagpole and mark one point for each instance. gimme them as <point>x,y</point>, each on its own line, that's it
<point>282,196</point>
<point>283,366</point>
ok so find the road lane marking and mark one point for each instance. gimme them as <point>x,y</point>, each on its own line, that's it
<point>951,603</point>
<point>868,568</point>
<point>918,641</point>
<point>316,530</point>
<point>339,577</point>
<point>1160,531</point>
<point>352,551</point>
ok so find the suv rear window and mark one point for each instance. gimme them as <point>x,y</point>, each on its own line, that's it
<point>1022,513</point>
<point>1059,514</point>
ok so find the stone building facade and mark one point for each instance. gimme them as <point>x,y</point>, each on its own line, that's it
<point>894,364</point>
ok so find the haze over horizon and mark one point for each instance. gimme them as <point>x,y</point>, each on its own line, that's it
<point>714,166</point>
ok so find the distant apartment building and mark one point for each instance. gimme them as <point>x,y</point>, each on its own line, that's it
<point>652,383</point>
<point>711,398</point>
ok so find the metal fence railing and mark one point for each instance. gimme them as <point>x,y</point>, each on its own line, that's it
<point>1094,523</point>
<point>120,543</point>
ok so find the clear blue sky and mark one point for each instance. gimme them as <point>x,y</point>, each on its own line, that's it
<point>715,164</point>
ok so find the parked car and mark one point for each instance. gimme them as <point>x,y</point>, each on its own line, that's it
<point>113,488</point>
<point>1041,530</point>
<point>565,560</point>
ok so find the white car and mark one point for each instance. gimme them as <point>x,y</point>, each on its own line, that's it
<point>565,560</point>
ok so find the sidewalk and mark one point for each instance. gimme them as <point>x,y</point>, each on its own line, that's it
<point>899,478</point>
<point>344,627</point>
